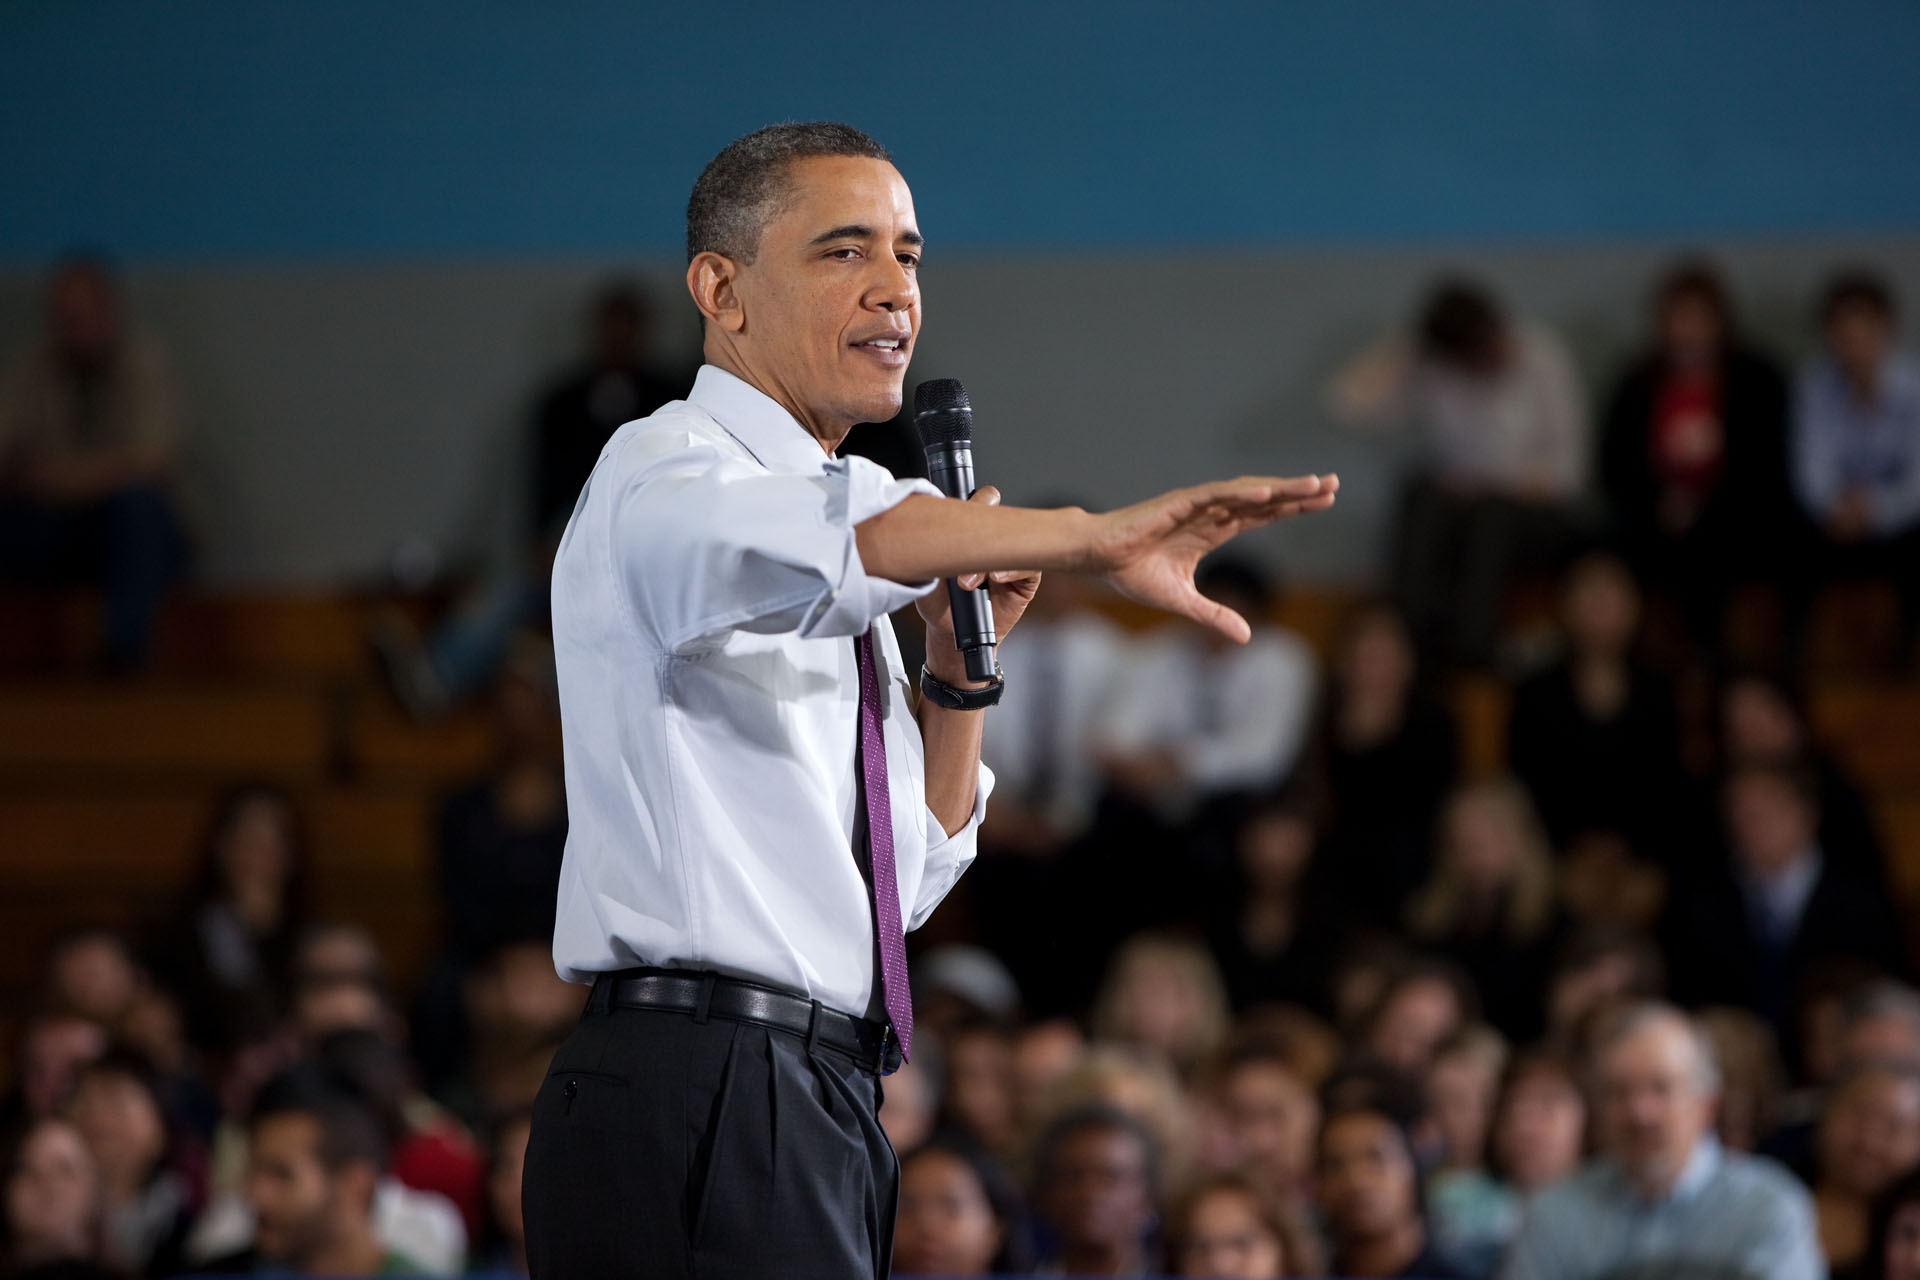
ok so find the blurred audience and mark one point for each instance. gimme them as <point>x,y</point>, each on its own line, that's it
<point>1230,1226</point>
<point>1693,454</point>
<point>1869,1135</point>
<point>1368,1183</point>
<point>54,1207</point>
<point>960,1214</point>
<point>90,459</point>
<point>1096,1189</point>
<point>1503,421</point>
<point>1856,444</point>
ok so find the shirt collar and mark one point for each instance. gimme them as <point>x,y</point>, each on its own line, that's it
<point>768,432</point>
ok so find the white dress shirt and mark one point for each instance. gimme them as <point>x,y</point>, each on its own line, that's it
<point>1235,717</point>
<point>705,596</point>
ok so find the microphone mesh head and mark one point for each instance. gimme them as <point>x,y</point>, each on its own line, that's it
<point>941,413</point>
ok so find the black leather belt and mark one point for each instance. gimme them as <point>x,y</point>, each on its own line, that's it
<point>709,995</point>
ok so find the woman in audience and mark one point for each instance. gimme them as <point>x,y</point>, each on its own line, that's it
<point>1594,736</point>
<point>1271,1116</point>
<point>228,954</point>
<point>1422,1005</point>
<point>1231,1226</point>
<point>1387,756</point>
<point>1472,1216</point>
<point>148,1202</point>
<point>1274,940</point>
<point>1894,1253</point>
<point>1163,995</point>
<point>1869,1135</point>
<point>53,1208</point>
<point>1488,905</point>
<point>1369,1193</point>
<point>1540,1123</point>
<point>1096,1187</point>
<point>959,1214</point>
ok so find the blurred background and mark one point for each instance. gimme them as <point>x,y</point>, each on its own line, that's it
<point>1597,684</point>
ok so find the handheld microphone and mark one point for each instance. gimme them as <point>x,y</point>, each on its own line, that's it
<point>944,419</point>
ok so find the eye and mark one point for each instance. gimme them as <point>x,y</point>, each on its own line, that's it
<point>845,253</point>
<point>908,260</point>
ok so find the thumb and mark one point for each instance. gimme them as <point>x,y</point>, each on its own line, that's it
<point>986,493</point>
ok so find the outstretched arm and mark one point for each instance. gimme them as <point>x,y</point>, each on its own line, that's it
<point>1146,551</point>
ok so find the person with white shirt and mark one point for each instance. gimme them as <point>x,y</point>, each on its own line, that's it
<point>758,809</point>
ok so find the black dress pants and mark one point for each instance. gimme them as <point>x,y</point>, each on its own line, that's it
<point>716,1150</point>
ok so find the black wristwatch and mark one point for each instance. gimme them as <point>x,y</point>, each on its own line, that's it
<point>942,694</point>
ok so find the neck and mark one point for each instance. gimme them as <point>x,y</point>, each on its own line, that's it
<point>1386,1254</point>
<point>352,1251</point>
<point>827,432</point>
<point>1101,1258</point>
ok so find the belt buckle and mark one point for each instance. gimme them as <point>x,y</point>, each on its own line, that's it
<point>889,1057</point>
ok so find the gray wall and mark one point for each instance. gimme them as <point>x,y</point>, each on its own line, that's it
<point>337,410</point>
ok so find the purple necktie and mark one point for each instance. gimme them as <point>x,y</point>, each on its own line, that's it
<point>885,890</point>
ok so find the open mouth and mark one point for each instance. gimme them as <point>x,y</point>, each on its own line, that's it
<point>890,349</point>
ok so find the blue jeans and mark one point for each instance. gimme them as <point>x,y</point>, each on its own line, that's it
<point>128,544</point>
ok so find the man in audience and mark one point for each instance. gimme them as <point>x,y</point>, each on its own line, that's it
<point>1369,1188</point>
<point>316,1157</point>
<point>89,453</point>
<point>1097,1189</point>
<point>1664,1198</point>
<point>1504,422</point>
<point>1752,933</point>
<point>1856,444</point>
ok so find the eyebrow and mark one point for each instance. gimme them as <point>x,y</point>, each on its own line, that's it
<point>858,231</point>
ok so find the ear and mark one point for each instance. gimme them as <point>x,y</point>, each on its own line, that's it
<point>712,280</point>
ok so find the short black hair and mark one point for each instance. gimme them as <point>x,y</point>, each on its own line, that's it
<point>742,188</point>
<point>1095,1117</point>
<point>1459,323</point>
<point>350,1131</point>
<point>1856,287</point>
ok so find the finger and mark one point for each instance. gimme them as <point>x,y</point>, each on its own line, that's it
<point>968,581</point>
<point>1014,575</point>
<point>986,493</point>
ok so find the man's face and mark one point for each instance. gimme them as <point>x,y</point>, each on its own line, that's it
<point>831,302</point>
<point>1274,1117</point>
<point>1366,1177</point>
<point>1653,1108</point>
<point>1858,337</point>
<point>1099,1193</point>
<point>1768,824</point>
<point>289,1188</point>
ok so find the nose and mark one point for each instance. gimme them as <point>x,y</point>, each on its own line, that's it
<point>894,289</point>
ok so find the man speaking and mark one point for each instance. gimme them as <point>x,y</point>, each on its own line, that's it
<point>759,804</point>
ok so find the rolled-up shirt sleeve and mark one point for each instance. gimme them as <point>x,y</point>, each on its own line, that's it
<point>705,543</point>
<point>949,855</point>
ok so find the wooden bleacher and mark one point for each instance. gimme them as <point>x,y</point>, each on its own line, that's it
<point>105,788</point>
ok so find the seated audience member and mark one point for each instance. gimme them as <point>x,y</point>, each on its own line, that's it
<point>1894,1252</point>
<point>1750,1076</point>
<point>1422,1005</point>
<point>1693,453</point>
<point>1489,904</point>
<point>1760,717</point>
<point>1231,1226</point>
<point>911,1104</point>
<point>1044,1054</point>
<point>502,1247</point>
<point>1273,936</point>
<point>575,415</point>
<point>147,1193</point>
<point>1141,1085</point>
<point>1096,1189</point>
<point>1271,1116</point>
<point>957,984</point>
<point>1368,1185</point>
<point>1388,754</point>
<point>1503,419</point>
<point>1748,935</point>
<point>53,1207</point>
<point>227,955</point>
<point>1163,995</point>
<point>1664,1197</point>
<point>89,453</point>
<point>93,972</point>
<point>978,1098</point>
<point>1856,443</point>
<point>520,1012</point>
<point>1539,1131</point>
<point>1881,1022</point>
<point>1599,969</point>
<point>1203,717</point>
<point>959,1214</point>
<point>316,1158</point>
<point>53,1046</point>
<point>1869,1135</point>
<point>1594,736</point>
<point>1471,1215</point>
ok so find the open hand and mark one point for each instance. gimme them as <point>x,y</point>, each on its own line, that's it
<point>1148,551</point>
